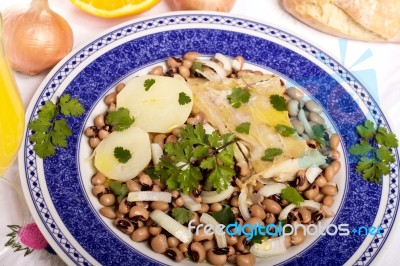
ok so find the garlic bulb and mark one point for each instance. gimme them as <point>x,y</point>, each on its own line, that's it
<point>210,5</point>
<point>35,37</point>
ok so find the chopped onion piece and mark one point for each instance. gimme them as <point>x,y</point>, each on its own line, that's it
<point>307,127</point>
<point>189,203</point>
<point>149,196</point>
<point>208,128</point>
<point>236,65</point>
<point>205,219</point>
<point>269,190</point>
<point>214,196</point>
<point>217,68</point>
<point>211,76</point>
<point>172,226</point>
<point>242,203</point>
<point>313,172</point>
<point>156,153</point>
<point>226,61</point>
<point>309,204</point>
<point>269,247</point>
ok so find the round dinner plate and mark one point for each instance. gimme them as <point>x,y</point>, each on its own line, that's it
<point>58,188</point>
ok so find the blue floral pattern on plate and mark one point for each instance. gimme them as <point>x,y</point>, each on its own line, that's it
<point>62,175</point>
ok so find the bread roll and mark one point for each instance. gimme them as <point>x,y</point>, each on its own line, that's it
<point>367,20</point>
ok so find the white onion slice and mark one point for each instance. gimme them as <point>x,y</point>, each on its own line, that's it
<point>214,196</point>
<point>189,203</point>
<point>211,76</point>
<point>226,61</point>
<point>172,226</point>
<point>309,204</point>
<point>312,173</point>
<point>205,219</point>
<point>242,203</point>
<point>269,247</point>
<point>269,190</point>
<point>217,68</point>
<point>236,65</point>
<point>208,128</point>
<point>156,153</point>
<point>149,196</point>
<point>307,127</point>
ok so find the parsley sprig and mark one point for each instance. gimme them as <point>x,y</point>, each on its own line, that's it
<point>374,147</point>
<point>50,130</point>
<point>197,155</point>
<point>292,195</point>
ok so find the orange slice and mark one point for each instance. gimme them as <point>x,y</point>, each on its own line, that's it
<point>114,8</point>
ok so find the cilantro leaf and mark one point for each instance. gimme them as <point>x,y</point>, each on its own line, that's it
<point>384,155</point>
<point>122,155</point>
<point>220,177</point>
<point>195,67</point>
<point>385,138</point>
<point>367,131</point>
<point>285,130</point>
<point>148,83</point>
<point>271,153</point>
<point>119,189</point>
<point>120,119</point>
<point>224,216</point>
<point>319,133</point>
<point>278,102</point>
<point>243,128</point>
<point>182,215</point>
<point>184,98</point>
<point>292,195</point>
<point>257,239</point>
<point>239,96</point>
<point>49,129</point>
<point>361,148</point>
<point>70,106</point>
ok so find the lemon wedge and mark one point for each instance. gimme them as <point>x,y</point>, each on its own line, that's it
<point>115,8</point>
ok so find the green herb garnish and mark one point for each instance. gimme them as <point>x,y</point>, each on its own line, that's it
<point>278,102</point>
<point>271,153</point>
<point>292,195</point>
<point>148,83</point>
<point>319,134</point>
<point>374,147</point>
<point>119,189</point>
<point>49,130</point>
<point>182,215</point>
<point>197,153</point>
<point>184,98</point>
<point>243,128</point>
<point>238,96</point>
<point>120,119</point>
<point>285,130</point>
<point>122,155</point>
<point>196,66</point>
<point>257,239</point>
<point>224,216</point>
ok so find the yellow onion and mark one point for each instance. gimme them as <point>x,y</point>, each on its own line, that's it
<point>210,5</point>
<point>35,37</point>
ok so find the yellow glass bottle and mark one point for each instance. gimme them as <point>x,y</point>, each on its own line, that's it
<point>11,112</point>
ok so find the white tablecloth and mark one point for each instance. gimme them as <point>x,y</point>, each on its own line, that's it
<point>382,59</point>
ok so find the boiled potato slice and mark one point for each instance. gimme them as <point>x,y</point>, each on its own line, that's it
<point>157,108</point>
<point>134,139</point>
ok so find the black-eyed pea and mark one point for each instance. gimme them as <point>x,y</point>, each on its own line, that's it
<point>231,240</point>
<point>111,98</point>
<point>253,221</point>
<point>191,56</point>
<point>98,179</point>
<point>155,230</point>
<point>209,244</point>
<point>108,212</point>
<point>123,207</point>
<point>174,254</point>
<point>246,260</point>
<point>157,71</point>
<point>140,234</point>
<point>329,190</point>
<point>232,258</point>
<point>201,235</point>
<point>119,215</point>
<point>216,259</point>
<point>204,208</point>
<point>91,131</point>
<point>187,63</point>
<point>271,206</point>
<point>299,237</point>
<point>319,197</point>
<point>288,241</point>
<point>184,71</point>
<point>198,252</point>
<point>328,201</point>
<point>243,245</point>
<point>119,87</point>
<point>329,173</point>
<point>145,180</point>
<point>155,188</point>
<point>107,199</point>
<point>99,121</point>
<point>257,211</point>
<point>335,165</point>
<point>133,185</point>
<point>103,134</point>
<point>179,202</point>
<point>270,218</point>
<point>94,142</point>
<point>312,192</point>
<point>139,213</point>
<point>334,141</point>
<point>335,154</point>
<point>159,183</point>
<point>160,139</point>
<point>159,205</point>
<point>173,62</point>
<point>171,139</point>
<point>124,225</point>
<point>215,207</point>
<point>196,219</point>
<point>234,201</point>
<point>321,181</point>
<point>173,242</point>
<point>159,243</point>
<point>98,190</point>
<point>304,215</point>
